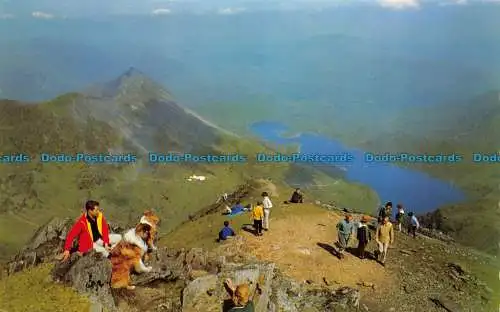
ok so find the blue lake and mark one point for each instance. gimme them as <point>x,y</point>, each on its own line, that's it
<point>416,190</point>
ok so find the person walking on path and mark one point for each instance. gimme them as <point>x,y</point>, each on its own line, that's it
<point>413,225</point>
<point>258,216</point>
<point>385,211</point>
<point>400,216</point>
<point>384,237</point>
<point>345,229</point>
<point>267,210</point>
<point>363,236</point>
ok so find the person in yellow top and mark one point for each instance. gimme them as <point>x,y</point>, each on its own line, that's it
<point>258,216</point>
<point>384,237</point>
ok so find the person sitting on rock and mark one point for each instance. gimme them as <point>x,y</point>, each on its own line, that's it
<point>92,232</point>
<point>226,232</point>
<point>297,197</point>
<point>240,296</point>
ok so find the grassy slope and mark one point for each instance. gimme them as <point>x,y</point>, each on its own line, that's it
<point>125,191</point>
<point>44,295</point>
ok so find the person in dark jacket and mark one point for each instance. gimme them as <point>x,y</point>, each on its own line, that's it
<point>226,232</point>
<point>297,197</point>
<point>363,236</point>
<point>385,211</point>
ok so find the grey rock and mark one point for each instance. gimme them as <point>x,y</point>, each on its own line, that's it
<point>345,297</point>
<point>196,288</point>
<point>446,304</point>
<point>45,244</point>
<point>90,275</point>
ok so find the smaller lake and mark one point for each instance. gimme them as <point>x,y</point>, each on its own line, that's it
<point>416,190</point>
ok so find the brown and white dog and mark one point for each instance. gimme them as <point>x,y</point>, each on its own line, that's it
<point>127,255</point>
<point>152,220</point>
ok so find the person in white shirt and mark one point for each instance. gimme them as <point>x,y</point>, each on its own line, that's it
<point>414,225</point>
<point>266,202</point>
<point>399,216</point>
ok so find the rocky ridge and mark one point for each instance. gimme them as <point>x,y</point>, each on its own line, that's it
<point>182,280</point>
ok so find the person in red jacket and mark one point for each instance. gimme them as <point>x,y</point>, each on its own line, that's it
<point>92,232</point>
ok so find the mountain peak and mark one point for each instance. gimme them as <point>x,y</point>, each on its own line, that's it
<point>132,71</point>
<point>132,82</point>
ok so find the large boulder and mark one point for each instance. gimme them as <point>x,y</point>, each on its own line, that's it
<point>90,275</point>
<point>44,246</point>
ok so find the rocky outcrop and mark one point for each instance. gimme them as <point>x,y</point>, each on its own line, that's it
<point>46,244</point>
<point>89,275</point>
<point>278,293</point>
<point>182,280</point>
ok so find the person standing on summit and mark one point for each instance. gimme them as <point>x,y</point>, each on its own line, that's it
<point>385,211</point>
<point>413,225</point>
<point>266,202</point>
<point>92,232</point>
<point>384,237</point>
<point>345,229</point>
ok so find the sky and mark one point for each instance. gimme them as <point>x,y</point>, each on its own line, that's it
<point>50,9</point>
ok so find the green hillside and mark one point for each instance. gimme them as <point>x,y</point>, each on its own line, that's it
<point>106,120</point>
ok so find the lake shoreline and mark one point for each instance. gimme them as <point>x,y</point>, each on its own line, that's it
<point>390,181</point>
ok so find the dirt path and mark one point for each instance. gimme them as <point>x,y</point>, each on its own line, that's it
<point>292,243</point>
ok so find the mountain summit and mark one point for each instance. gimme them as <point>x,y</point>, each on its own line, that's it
<point>145,113</point>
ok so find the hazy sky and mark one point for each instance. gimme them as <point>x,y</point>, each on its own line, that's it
<point>48,9</point>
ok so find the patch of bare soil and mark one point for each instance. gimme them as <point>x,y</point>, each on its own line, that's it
<point>301,245</point>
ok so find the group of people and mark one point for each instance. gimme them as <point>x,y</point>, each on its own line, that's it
<point>92,233</point>
<point>260,217</point>
<point>260,214</point>
<point>384,234</point>
<point>412,223</point>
